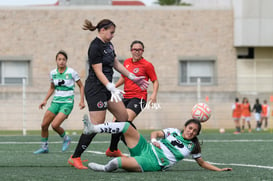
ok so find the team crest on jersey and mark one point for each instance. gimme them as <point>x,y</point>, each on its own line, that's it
<point>189,146</point>
<point>135,105</point>
<point>136,70</point>
<point>66,76</point>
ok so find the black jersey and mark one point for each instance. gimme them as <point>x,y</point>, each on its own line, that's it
<point>100,52</point>
<point>257,108</point>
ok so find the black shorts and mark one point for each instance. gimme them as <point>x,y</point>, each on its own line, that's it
<point>96,97</point>
<point>135,104</point>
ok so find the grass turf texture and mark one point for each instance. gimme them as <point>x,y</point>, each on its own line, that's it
<point>249,154</point>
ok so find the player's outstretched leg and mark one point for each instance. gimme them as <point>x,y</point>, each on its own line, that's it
<point>112,165</point>
<point>112,128</point>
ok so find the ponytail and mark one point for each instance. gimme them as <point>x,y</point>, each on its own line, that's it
<point>105,24</point>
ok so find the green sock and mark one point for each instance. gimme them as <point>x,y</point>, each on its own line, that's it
<point>62,135</point>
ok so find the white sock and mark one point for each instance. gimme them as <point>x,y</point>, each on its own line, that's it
<point>45,145</point>
<point>110,127</point>
<point>112,165</point>
<point>96,166</point>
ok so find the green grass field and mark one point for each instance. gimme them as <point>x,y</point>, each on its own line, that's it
<point>249,154</point>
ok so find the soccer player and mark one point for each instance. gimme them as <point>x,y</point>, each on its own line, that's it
<point>167,147</point>
<point>257,107</point>
<point>63,80</point>
<point>100,93</point>
<point>265,114</point>
<point>246,113</point>
<point>236,115</point>
<point>134,98</point>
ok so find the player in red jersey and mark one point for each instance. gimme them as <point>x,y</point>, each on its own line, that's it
<point>236,115</point>
<point>246,113</point>
<point>265,114</point>
<point>135,99</point>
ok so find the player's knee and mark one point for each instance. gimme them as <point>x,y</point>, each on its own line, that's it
<point>54,126</point>
<point>44,126</point>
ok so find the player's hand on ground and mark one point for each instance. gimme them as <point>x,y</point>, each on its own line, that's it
<point>226,169</point>
<point>115,93</point>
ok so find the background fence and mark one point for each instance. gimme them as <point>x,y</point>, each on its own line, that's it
<point>19,108</point>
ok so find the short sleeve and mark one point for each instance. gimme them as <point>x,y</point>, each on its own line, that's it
<point>94,54</point>
<point>150,70</point>
<point>195,156</point>
<point>75,75</point>
<point>168,131</point>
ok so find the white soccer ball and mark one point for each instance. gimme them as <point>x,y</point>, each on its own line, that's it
<point>222,130</point>
<point>201,112</point>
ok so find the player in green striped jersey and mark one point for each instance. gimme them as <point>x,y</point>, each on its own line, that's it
<point>62,84</point>
<point>167,147</point>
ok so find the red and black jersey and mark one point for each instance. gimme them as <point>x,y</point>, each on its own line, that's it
<point>139,68</point>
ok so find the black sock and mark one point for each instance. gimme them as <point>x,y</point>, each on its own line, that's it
<point>116,137</point>
<point>83,143</point>
<point>114,141</point>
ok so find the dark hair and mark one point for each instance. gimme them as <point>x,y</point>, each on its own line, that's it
<point>63,53</point>
<point>136,42</point>
<point>195,121</point>
<point>236,99</point>
<point>197,145</point>
<point>105,24</point>
<point>245,100</point>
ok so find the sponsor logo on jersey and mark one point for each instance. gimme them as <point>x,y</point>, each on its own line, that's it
<point>61,82</point>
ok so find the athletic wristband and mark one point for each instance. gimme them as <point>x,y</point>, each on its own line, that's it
<point>153,140</point>
<point>131,76</point>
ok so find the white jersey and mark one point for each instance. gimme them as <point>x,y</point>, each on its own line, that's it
<point>64,85</point>
<point>173,148</point>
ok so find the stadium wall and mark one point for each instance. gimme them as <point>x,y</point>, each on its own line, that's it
<point>169,33</point>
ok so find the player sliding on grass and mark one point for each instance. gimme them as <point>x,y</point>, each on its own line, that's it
<point>173,145</point>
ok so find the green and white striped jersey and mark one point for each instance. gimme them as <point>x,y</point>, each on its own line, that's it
<point>173,148</point>
<point>64,85</point>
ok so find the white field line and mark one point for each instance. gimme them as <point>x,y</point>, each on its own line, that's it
<point>213,163</point>
<point>235,164</point>
<point>102,142</point>
<point>51,142</point>
<point>187,160</point>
